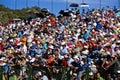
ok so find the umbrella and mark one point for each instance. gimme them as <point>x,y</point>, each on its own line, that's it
<point>74,5</point>
<point>44,10</point>
<point>65,12</point>
<point>84,5</point>
<point>61,12</point>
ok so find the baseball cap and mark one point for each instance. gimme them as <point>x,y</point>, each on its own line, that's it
<point>118,71</point>
<point>90,73</point>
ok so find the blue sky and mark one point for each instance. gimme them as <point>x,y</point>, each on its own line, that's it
<point>57,4</point>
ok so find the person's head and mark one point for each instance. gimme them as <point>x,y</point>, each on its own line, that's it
<point>33,43</point>
<point>38,46</point>
<point>91,75</point>
<point>76,59</point>
<point>69,56</point>
<point>98,75</point>
<point>118,75</point>
<point>12,72</point>
<point>109,76</point>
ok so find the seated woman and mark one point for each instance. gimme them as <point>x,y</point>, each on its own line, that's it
<point>106,66</point>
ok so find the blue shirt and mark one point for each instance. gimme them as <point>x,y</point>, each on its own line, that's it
<point>31,49</point>
<point>85,66</point>
<point>20,33</point>
<point>64,50</point>
<point>86,35</point>
<point>98,26</point>
<point>77,64</point>
<point>38,52</point>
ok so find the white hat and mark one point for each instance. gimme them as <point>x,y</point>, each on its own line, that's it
<point>108,53</point>
<point>92,39</point>
<point>63,43</point>
<point>75,74</point>
<point>61,57</point>
<point>33,42</point>
<point>85,52</point>
<point>90,73</point>
<point>51,37</point>
<point>66,56</point>
<point>12,72</point>
<point>85,46</point>
<point>11,40</point>
<point>51,47</point>
<point>30,57</point>
<point>76,57</point>
<point>94,24</point>
<point>1,59</point>
<point>0,39</point>
<point>80,40</point>
<point>118,41</point>
<point>39,37</point>
<point>39,73</point>
<point>118,71</point>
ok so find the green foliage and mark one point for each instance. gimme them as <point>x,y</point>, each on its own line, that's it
<point>6,13</point>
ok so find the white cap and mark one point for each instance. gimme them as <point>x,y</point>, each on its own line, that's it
<point>61,57</point>
<point>75,74</point>
<point>85,46</point>
<point>76,57</point>
<point>92,62</point>
<point>39,73</point>
<point>85,52</point>
<point>0,39</point>
<point>33,42</point>
<point>94,24</point>
<point>118,71</point>
<point>51,47</point>
<point>90,73</point>
<point>80,40</point>
<point>118,41</point>
<point>92,39</point>
<point>66,56</point>
<point>11,40</point>
<point>63,43</point>
<point>51,37</point>
<point>12,72</point>
<point>39,37</point>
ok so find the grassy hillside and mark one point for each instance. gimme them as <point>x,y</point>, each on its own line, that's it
<point>6,13</point>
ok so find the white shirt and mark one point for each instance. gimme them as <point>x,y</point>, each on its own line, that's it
<point>44,77</point>
<point>70,61</point>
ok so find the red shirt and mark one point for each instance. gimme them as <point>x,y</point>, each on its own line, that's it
<point>64,63</point>
<point>1,48</point>
<point>52,21</point>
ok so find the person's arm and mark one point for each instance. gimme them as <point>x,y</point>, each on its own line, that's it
<point>103,65</point>
<point>33,64</point>
<point>55,62</point>
<point>113,62</point>
<point>37,51</point>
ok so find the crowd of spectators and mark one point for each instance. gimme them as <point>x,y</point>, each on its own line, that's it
<point>89,40</point>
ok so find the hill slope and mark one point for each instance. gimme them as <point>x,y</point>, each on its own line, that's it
<point>6,13</point>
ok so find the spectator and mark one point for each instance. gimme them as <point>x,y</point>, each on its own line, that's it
<point>13,76</point>
<point>99,76</point>
<point>72,41</point>
<point>91,76</point>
